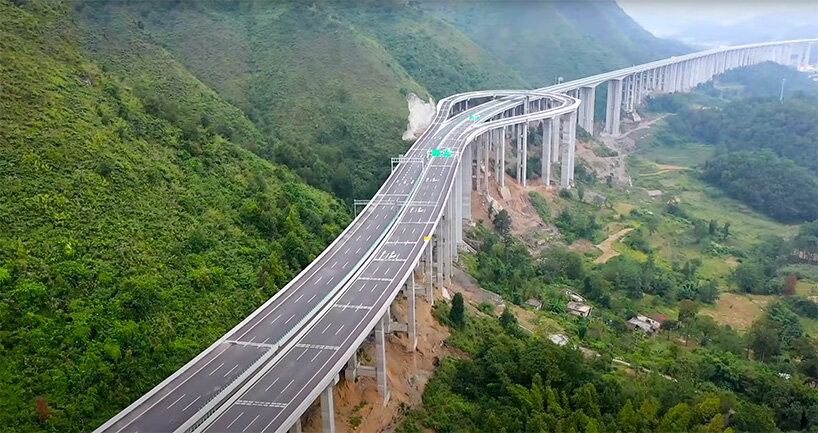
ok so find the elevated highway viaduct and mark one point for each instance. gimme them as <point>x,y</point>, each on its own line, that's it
<point>265,372</point>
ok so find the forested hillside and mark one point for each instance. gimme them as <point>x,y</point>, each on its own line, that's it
<point>130,239</point>
<point>325,82</point>
<point>766,149</point>
<point>545,40</point>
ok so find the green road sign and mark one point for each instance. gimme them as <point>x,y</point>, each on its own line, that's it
<point>441,152</point>
<point>446,152</point>
<point>474,116</point>
<point>435,152</point>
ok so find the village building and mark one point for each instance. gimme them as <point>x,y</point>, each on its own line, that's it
<point>534,302</point>
<point>579,309</point>
<point>640,324</point>
<point>648,324</point>
<point>574,296</point>
<point>660,318</point>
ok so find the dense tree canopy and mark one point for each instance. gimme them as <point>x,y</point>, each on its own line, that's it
<point>767,151</point>
<point>130,239</point>
<point>772,185</point>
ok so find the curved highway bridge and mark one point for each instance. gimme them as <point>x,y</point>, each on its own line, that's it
<point>264,373</point>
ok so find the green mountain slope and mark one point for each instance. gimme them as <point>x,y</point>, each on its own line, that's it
<point>325,82</point>
<point>126,244</point>
<point>432,51</point>
<point>331,103</point>
<point>544,40</point>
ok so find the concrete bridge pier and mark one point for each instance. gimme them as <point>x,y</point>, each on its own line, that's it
<point>614,106</point>
<point>442,232</point>
<point>572,143</point>
<point>545,159</point>
<point>502,178</point>
<point>680,77</point>
<point>474,152</point>
<point>411,320</point>
<point>499,142</point>
<point>351,372</point>
<point>430,292</point>
<point>486,158</point>
<point>806,53</point>
<point>524,156</point>
<point>555,139</point>
<point>457,218</point>
<point>327,409</point>
<point>626,93</point>
<point>439,256</point>
<point>466,189</point>
<point>517,152</point>
<point>567,167</point>
<point>380,359</point>
<point>451,246</point>
<point>587,95</point>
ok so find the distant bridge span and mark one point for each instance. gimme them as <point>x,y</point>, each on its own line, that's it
<point>264,373</point>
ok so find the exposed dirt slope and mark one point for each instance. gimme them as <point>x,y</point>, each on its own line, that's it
<point>607,246</point>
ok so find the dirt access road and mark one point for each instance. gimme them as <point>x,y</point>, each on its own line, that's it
<point>607,246</point>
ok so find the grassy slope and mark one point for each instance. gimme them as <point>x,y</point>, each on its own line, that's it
<point>126,254</point>
<point>325,81</point>
<point>543,40</point>
<point>323,96</point>
<point>674,240</point>
<point>433,51</point>
<point>330,101</point>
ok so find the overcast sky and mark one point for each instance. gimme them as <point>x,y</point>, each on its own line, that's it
<point>664,17</point>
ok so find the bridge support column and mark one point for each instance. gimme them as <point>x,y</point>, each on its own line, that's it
<point>351,372</point>
<point>545,159</point>
<point>486,158</point>
<point>465,186</point>
<point>447,242</point>
<point>439,254</point>
<point>626,93</point>
<point>457,197</point>
<point>679,78</point>
<point>517,159</point>
<point>430,293</point>
<point>587,95</point>
<point>614,105</point>
<point>567,168</point>
<point>502,178</point>
<point>328,408</point>
<point>806,55</point>
<point>524,156</point>
<point>443,249</point>
<point>655,84</point>
<point>475,163</point>
<point>450,242</point>
<point>380,358</point>
<point>411,325</point>
<point>555,139</point>
<point>572,144</point>
<point>498,143</point>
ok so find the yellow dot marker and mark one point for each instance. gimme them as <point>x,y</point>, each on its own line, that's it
<point>426,237</point>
